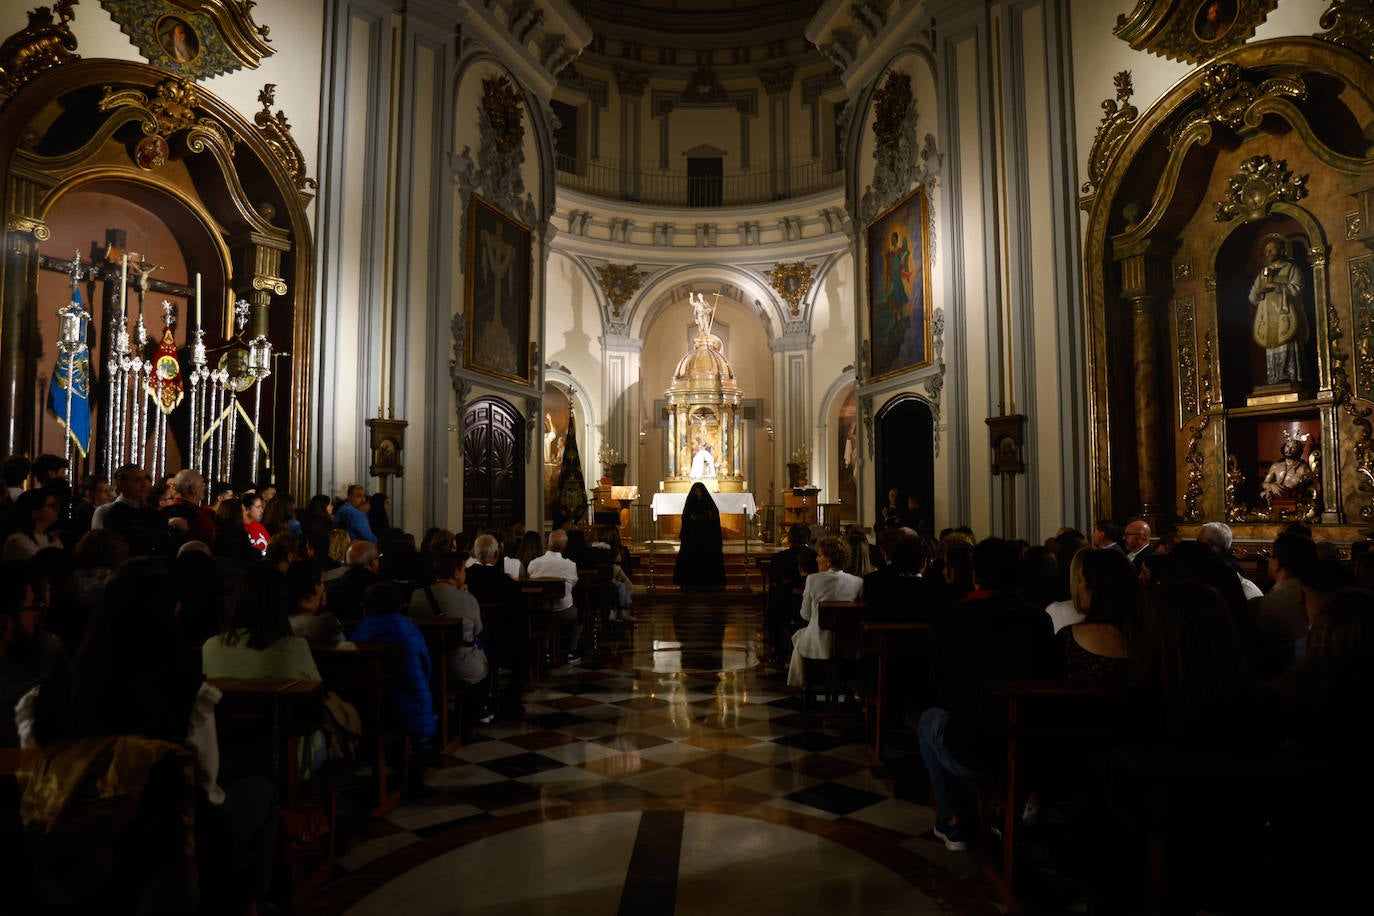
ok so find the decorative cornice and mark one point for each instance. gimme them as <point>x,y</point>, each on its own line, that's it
<point>276,132</point>
<point>1117,117</point>
<point>1261,182</point>
<point>1226,98</point>
<point>37,48</point>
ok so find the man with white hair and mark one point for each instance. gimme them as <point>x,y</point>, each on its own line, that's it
<point>345,594</point>
<point>552,564</point>
<point>1217,535</point>
<point>189,487</point>
<point>507,626</point>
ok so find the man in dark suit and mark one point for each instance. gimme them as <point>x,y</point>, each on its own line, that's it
<point>146,532</point>
<point>785,583</point>
<point>1107,535</point>
<point>898,590</point>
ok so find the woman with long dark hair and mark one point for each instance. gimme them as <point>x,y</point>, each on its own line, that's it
<point>1112,602</point>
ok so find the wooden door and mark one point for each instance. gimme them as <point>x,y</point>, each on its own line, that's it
<point>493,465</point>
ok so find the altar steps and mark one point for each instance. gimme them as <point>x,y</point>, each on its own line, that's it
<point>653,569</point>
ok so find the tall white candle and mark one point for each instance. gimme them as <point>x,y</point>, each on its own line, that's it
<point>197,300</point>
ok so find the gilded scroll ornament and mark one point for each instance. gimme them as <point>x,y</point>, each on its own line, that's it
<point>1261,182</point>
<point>1183,270</point>
<point>1235,479</point>
<point>619,282</point>
<point>1187,358</point>
<point>36,49</point>
<point>1350,24</point>
<point>276,131</point>
<point>1226,98</point>
<point>1117,117</point>
<point>15,223</point>
<point>1189,30</point>
<point>1362,304</point>
<point>171,109</point>
<point>1363,446</point>
<point>792,282</point>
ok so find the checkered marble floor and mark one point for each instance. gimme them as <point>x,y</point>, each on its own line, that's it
<point>675,713</point>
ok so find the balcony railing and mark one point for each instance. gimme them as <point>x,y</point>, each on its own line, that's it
<point>677,189</point>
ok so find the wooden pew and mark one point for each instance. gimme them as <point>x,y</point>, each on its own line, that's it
<point>591,600</point>
<point>889,644</point>
<point>840,619</point>
<point>540,595</point>
<point>1027,712</point>
<point>363,675</point>
<point>444,635</point>
<point>279,711</point>
<point>1165,795</point>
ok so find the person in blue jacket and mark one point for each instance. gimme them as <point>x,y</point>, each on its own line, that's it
<point>384,621</point>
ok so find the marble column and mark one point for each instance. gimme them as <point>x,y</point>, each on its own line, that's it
<point>18,324</point>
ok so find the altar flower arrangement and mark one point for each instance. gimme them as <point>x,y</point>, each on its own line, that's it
<point>799,466</point>
<point>608,455</point>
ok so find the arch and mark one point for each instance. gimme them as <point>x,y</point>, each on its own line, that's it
<point>653,300</point>
<point>830,451</point>
<point>904,450</point>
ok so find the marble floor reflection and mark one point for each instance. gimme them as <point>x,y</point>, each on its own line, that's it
<point>670,773</point>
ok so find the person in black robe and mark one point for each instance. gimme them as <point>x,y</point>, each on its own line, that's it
<point>701,555</point>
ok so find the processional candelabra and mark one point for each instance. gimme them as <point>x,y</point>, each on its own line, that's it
<point>71,338</point>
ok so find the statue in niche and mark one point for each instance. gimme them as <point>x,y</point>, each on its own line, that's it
<point>1280,322</point>
<point>1292,477</point>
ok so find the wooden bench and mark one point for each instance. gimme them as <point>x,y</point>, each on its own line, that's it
<point>444,635</point>
<point>591,599</point>
<point>1026,712</point>
<point>887,643</point>
<point>363,675</point>
<point>840,620</point>
<point>276,711</point>
<point>540,596</point>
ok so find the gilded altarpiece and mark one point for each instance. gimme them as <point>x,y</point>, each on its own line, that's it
<point>1230,303</point>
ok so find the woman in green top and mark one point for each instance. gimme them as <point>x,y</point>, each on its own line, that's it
<point>259,642</point>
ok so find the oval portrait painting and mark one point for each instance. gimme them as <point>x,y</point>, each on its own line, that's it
<point>1214,19</point>
<point>176,37</point>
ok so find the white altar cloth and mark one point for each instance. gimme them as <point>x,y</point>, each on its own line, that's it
<point>726,503</point>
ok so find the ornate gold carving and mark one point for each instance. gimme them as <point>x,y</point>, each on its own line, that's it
<point>792,282</point>
<point>1194,459</point>
<point>631,82</point>
<point>34,227</point>
<point>1226,98</point>
<point>276,131</point>
<point>1117,117</point>
<point>39,47</point>
<point>1191,30</point>
<point>171,110</point>
<point>1260,183</point>
<point>1183,270</point>
<point>1362,307</point>
<point>1352,226</point>
<point>1235,512</point>
<point>619,282</point>
<point>890,104</point>
<point>1187,358</point>
<point>196,39</point>
<point>501,102</point>
<point>1363,446</point>
<point>704,88</point>
<point>1350,24</point>
<point>1209,283</point>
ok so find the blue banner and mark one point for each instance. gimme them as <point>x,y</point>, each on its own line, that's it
<point>74,369</point>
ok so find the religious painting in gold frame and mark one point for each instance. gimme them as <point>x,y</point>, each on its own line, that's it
<point>195,39</point>
<point>497,283</point>
<point>899,287</point>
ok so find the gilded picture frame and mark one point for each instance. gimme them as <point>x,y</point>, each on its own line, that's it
<point>898,271</point>
<point>498,277</point>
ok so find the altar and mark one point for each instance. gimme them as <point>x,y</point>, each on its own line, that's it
<point>736,509</point>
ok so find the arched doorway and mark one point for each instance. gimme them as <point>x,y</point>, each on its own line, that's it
<point>904,439</point>
<point>493,465</point>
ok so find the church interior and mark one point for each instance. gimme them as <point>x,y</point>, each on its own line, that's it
<point>927,312</point>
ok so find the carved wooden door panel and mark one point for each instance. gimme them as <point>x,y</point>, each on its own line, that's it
<point>493,465</point>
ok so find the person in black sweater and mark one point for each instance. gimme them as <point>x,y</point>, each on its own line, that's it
<point>992,634</point>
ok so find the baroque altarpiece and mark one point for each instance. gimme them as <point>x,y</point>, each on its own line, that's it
<point>1228,265</point>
